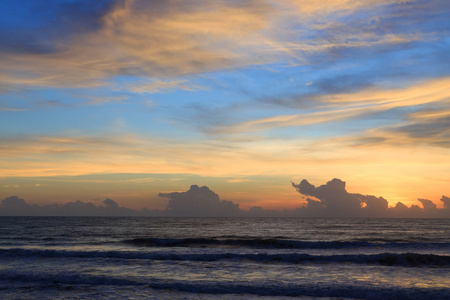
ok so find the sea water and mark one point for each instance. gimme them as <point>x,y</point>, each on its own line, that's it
<point>223,258</point>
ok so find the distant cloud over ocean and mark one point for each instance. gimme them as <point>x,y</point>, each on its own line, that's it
<point>199,202</point>
<point>328,200</point>
<point>333,200</point>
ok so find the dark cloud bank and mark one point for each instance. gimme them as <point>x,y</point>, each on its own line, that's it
<point>328,200</point>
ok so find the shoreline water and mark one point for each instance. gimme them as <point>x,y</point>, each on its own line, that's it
<point>223,258</point>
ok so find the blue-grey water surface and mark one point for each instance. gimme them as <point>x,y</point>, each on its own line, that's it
<point>227,258</point>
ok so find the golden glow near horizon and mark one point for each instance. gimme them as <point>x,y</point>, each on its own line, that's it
<point>241,96</point>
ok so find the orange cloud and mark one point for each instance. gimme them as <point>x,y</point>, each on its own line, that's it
<point>155,39</point>
<point>320,7</point>
<point>341,107</point>
<point>171,38</point>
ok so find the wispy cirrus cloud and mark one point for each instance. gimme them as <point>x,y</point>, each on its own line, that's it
<point>31,155</point>
<point>99,100</point>
<point>160,86</point>
<point>172,38</point>
<point>140,38</point>
<point>320,8</point>
<point>429,127</point>
<point>341,107</point>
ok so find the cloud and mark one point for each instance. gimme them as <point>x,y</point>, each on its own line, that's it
<point>110,203</point>
<point>33,27</point>
<point>13,201</point>
<point>428,125</point>
<point>446,201</point>
<point>53,104</point>
<point>429,207</point>
<point>99,100</point>
<point>15,206</point>
<point>142,38</point>
<point>339,107</point>
<point>333,200</point>
<point>329,200</point>
<point>317,7</point>
<point>160,86</point>
<point>317,32</point>
<point>238,180</point>
<point>39,41</point>
<point>199,202</point>
<point>432,128</point>
<point>76,154</point>
<point>292,120</point>
<point>80,44</point>
<point>120,153</point>
<point>349,23</point>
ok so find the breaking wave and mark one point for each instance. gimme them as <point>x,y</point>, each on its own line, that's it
<point>61,280</point>
<point>389,259</point>
<point>274,243</point>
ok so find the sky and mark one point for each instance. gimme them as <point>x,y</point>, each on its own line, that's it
<point>131,100</point>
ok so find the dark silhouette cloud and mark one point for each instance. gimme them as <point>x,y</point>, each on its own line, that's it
<point>110,203</point>
<point>333,200</point>
<point>15,206</point>
<point>328,200</point>
<point>199,202</point>
<point>13,201</point>
<point>446,201</point>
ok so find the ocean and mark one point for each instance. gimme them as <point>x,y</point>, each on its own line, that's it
<point>223,258</point>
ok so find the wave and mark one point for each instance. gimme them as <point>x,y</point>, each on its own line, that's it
<point>388,259</point>
<point>275,243</point>
<point>59,280</point>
